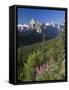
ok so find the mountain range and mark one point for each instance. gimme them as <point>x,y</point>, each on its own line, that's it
<point>36,31</point>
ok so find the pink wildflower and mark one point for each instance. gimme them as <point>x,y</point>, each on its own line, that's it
<point>39,72</point>
<point>41,69</point>
<point>46,66</point>
<point>43,66</point>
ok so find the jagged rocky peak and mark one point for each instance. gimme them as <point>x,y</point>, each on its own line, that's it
<point>35,25</point>
<point>33,21</point>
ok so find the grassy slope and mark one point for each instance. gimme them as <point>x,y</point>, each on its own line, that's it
<point>52,48</point>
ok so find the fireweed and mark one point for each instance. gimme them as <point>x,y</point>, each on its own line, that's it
<point>50,71</point>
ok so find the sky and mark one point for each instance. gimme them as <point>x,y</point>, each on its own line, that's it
<point>42,15</point>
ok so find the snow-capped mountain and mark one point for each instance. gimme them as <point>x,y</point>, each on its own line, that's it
<point>38,26</point>
<point>36,31</point>
<point>22,27</point>
<point>52,24</point>
<point>47,24</point>
<point>33,21</point>
<point>35,25</point>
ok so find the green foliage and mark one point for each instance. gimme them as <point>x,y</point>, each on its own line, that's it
<point>56,71</point>
<point>32,61</point>
<point>32,56</point>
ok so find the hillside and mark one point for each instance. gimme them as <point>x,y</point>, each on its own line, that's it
<point>31,36</point>
<point>42,61</point>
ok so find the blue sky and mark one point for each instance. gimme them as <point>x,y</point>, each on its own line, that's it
<point>42,15</point>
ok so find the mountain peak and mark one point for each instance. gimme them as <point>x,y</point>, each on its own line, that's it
<point>33,21</point>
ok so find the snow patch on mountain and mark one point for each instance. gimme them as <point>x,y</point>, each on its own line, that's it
<point>38,26</point>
